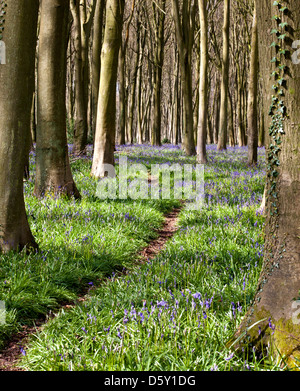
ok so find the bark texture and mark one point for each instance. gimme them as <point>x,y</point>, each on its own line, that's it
<point>17,85</point>
<point>53,172</point>
<point>225,79</point>
<point>184,29</point>
<point>252,112</point>
<point>203,85</point>
<point>106,117</point>
<point>275,303</point>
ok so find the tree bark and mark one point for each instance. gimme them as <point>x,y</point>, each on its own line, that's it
<point>203,83</point>
<point>225,79</point>
<point>106,116</point>
<point>17,85</point>
<point>96,59</point>
<point>252,96</point>
<point>275,302</point>
<point>53,172</point>
<point>159,60</point>
<point>80,122</point>
<point>184,37</point>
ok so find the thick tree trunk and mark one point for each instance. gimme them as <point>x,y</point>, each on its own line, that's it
<point>53,172</point>
<point>225,79</point>
<point>106,116</point>
<point>276,302</point>
<point>203,84</point>
<point>17,85</point>
<point>252,96</point>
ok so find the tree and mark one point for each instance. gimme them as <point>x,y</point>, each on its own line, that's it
<point>203,85</point>
<point>225,79</point>
<point>159,22</point>
<point>273,313</point>
<point>252,96</point>
<point>184,28</point>
<point>106,115</point>
<point>53,172</point>
<point>121,73</point>
<point>17,85</point>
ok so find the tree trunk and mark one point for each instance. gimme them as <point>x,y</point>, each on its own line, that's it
<point>225,79</point>
<point>80,122</point>
<point>277,297</point>
<point>122,98</point>
<point>17,85</point>
<point>203,82</point>
<point>252,96</point>
<point>96,59</point>
<point>106,116</point>
<point>184,37</point>
<point>53,172</point>
<point>132,97</point>
<point>217,97</point>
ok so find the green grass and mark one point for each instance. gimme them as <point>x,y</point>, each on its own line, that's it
<point>80,243</point>
<point>176,312</point>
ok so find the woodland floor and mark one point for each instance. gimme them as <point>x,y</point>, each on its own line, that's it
<point>138,285</point>
<point>10,355</point>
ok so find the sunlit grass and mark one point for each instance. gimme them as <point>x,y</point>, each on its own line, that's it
<point>178,311</point>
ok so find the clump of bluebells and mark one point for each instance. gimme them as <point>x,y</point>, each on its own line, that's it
<point>178,311</point>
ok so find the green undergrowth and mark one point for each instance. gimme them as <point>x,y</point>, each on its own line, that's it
<point>178,311</point>
<point>80,242</point>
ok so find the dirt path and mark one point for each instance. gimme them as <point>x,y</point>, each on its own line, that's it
<point>10,354</point>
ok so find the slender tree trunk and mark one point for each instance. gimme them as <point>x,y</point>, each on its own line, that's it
<point>106,116</point>
<point>122,80</point>
<point>96,58</point>
<point>261,135</point>
<point>33,118</point>
<point>176,100</point>
<point>139,92</point>
<point>53,172</point>
<point>159,60</point>
<point>203,83</point>
<point>122,98</point>
<point>240,122</point>
<point>184,38</point>
<point>217,98</point>
<point>225,79</point>
<point>80,122</point>
<point>276,302</point>
<point>231,123</point>
<point>17,85</point>
<point>132,96</point>
<point>252,96</point>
